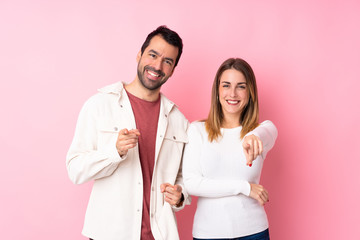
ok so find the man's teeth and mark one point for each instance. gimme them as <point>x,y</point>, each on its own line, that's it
<point>153,74</point>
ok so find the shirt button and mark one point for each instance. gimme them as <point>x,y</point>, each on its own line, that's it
<point>161,136</point>
<point>139,183</point>
<point>138,210</point>
<point>165,115</point>
<point>152,215</point>
<point>174,137</point>
<point>115,128</point>
<point>121,105</point>
<point>152,188</point>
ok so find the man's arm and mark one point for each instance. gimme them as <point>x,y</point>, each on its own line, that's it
<point>84,161</point>
<point>176,195</point>
<point>185,198</point>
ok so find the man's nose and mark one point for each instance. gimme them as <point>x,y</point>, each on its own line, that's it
<point>158,64</point>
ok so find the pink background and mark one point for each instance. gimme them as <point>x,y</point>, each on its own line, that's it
<point>306,55</point>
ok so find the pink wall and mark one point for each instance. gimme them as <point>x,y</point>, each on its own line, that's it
<point>306,55</point>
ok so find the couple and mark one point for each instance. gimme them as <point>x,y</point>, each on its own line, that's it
<point>145,158</point>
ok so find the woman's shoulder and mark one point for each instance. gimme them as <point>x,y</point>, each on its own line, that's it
<point>197,128</point>
<point>198,125</point>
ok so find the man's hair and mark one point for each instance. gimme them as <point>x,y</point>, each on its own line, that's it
<point>249,118</point>
<point>169,36</point>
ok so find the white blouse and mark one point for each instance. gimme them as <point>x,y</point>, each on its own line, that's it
<point>217,173</point>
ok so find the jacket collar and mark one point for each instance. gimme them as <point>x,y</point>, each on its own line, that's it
<point>115,88</point>
<point>118,89</point>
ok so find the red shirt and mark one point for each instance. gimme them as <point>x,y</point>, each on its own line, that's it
<point>146,117</point>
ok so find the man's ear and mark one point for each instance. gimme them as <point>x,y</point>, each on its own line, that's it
<point>172,72</point>
<point>138,56</point>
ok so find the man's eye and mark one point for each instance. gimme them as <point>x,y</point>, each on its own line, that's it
<point>168,62</point>
<point>152,55</point>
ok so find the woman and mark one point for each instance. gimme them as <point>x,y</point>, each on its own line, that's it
<point>216,165</point>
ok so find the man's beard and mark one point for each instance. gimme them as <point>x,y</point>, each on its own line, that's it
<point>154,86</point>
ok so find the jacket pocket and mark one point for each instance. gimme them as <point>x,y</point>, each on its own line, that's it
<point>109,126</point>
<point>108,132</point>
<point>176,140</point>
<point>176,136</point>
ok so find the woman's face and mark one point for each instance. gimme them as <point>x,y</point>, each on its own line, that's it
<point>233,93</point>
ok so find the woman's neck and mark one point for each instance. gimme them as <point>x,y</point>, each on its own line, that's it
<point>230,122</point>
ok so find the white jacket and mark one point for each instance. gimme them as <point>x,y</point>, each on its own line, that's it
<point>115,207</point>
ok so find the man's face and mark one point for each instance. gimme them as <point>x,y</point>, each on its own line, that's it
<point>157,63</point>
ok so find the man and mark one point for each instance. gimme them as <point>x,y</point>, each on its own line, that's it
<point>129,139</point>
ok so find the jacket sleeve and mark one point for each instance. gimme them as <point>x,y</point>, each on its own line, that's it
<point>267,132</point>
<point>84,161</point>
<point>198,185</point>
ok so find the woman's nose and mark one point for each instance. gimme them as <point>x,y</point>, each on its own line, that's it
<point>233,92</point>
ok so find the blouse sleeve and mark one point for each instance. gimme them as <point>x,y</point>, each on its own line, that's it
<point>198,185</point>
<point>267,132</point>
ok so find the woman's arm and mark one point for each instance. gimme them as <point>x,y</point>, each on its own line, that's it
<point>198,185</point>
<point>259,141</point>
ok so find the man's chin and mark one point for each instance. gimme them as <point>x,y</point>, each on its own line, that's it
<point>152,85</point>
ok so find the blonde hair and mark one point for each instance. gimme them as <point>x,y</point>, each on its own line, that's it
<point>249,118</point>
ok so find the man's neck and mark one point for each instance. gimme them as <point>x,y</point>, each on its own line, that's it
<point>138,90</point>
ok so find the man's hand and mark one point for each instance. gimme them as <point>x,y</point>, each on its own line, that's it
<point>172,193</point>
<point>252,148</point>
<point>259,193</point>
<point>126,140</point>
